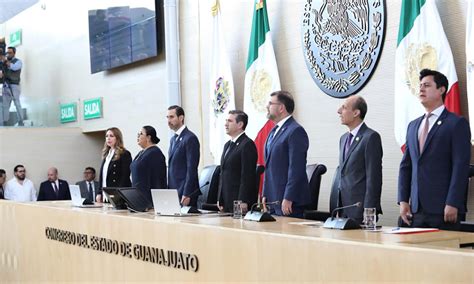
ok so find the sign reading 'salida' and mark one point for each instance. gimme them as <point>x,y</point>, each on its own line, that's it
<point>342,42</point>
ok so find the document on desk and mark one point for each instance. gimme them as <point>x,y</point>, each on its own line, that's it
<point>307,223</point>
<point>402,231</point>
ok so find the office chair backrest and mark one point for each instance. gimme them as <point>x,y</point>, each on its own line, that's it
<point>210,175</point>
<point>314,173</point>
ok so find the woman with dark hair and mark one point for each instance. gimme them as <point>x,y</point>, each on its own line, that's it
<point>115,168</point>
<point>148,167</point>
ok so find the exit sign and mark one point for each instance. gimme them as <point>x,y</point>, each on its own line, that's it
<point>15,38</point>
<point>68,112</point>
<point>93,108</point>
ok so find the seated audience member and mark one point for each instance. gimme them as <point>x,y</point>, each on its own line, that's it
<point>54,188</point>
<point>89,187</point>
<point>20,188</point>
<point>3,177</point>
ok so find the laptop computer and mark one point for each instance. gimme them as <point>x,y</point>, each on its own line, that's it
<point>78,200</point>
<point>166,203</point>
<point>136,201</point>
<point>114,198</point>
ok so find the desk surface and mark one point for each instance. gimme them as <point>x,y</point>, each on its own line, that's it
<point>225,248</point>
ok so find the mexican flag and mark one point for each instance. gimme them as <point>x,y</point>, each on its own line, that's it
<point>421,44</point>
<point>470,60</point>
<point>261,78</point>
<point>221,87</point>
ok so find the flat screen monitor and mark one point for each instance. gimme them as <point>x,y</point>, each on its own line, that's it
<point>124,34</point>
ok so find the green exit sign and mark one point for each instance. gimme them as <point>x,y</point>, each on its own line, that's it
<point>93,108</point>
<point>68,112</point>
<point>15,38</point>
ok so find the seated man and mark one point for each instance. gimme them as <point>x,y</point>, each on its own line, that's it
<point>54,188</point>
<point>20,188</point>
<point>89,187</point>
<point>3,177</point>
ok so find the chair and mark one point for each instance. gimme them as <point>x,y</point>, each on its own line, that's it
<point>467,226</point>
<point>315,172</point>
<point>209,185</point>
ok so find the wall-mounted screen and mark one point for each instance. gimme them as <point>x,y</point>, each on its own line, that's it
<point>124,34</point>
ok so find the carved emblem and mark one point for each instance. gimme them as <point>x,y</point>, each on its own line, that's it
<point>221,96</point>
<point>260,87</point>
<point>342,41</point>
<point>417,57</point>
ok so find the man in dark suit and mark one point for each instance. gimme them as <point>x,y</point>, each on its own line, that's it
<point>3,178</point>
<point>183,158</point>
<point>285,158</point>
<point>89,187</point>
<point>54,188</point>
<point>358,177</point>
<point>435,166</point>
<point>238,178</point>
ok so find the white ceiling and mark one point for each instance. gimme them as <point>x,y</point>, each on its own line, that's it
<point>9,8</point>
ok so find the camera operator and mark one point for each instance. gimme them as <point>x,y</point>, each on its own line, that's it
<point>11,85</point>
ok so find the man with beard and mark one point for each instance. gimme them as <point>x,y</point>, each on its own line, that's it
<point>20,188</point>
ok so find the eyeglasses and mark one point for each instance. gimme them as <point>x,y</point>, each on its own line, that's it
<point>272,103</point>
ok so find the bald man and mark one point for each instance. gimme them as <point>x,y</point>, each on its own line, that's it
<point>358,177</point>
<point>54,188</point>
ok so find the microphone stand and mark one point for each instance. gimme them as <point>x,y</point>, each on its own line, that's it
<point>342,223</point>
<point>260,215</point>
<point>192,209</point>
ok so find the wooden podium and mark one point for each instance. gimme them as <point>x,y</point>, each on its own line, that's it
<point>52,241</point>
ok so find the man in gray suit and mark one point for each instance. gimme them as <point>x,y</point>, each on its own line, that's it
<point>89,187</point>
<point>358,177</point>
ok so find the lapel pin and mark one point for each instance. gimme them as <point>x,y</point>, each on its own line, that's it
<point>237,144</point>
<point>357,139</point>
<point>439,122</point>
<point>180,139</point>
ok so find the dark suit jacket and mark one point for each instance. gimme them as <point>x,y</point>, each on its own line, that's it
<point>84,187</point>
<point>46,191</point>
<point>439,175</point>
<point>149,171</point>
<point>359,176</point>
<point>238,180</point>
<point>183,163</point>
<point>118,173</point>
<point>285,168</point>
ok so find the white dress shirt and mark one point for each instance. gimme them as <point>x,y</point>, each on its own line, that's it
<point>20,192</point>
<point>106,166</point>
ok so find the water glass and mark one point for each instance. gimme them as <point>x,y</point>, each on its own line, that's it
<point>370,219</point>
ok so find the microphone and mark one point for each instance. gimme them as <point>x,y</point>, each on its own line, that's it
<point>342,223</point>
<point>357,204</point>
<point>260,216</point>
<point>192,209</point>
<point>265,204</point>
<point>199,189</point>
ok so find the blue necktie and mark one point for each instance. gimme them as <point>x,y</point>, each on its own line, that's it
<point>271,135</point>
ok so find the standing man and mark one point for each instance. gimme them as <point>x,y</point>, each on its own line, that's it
<point>285,158</point>
<point>238,178</point>
<point>54,188</point>
<point>89,187</point>
<point>11,85</point>
<point>3,178</point>
<point>183,158</point>
<point>358,177</point>
<point>20,188</point>
<point>435,166</point>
